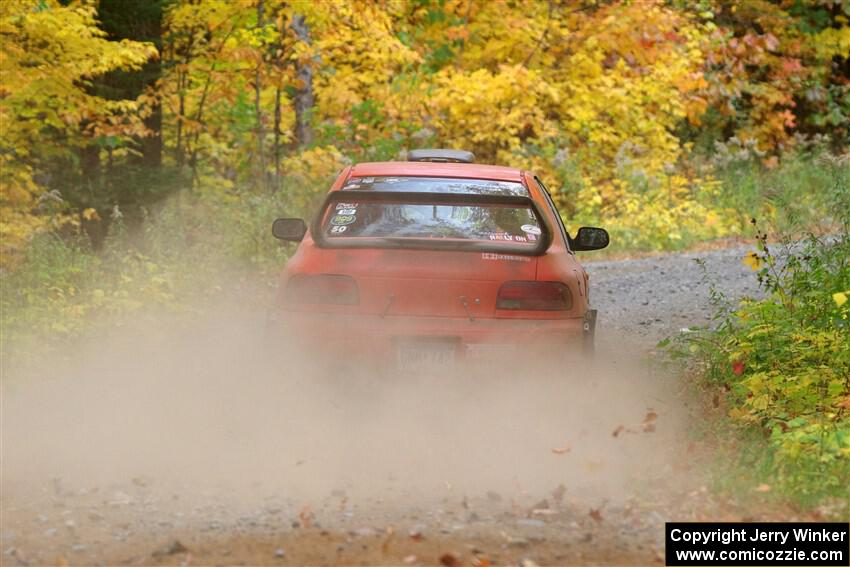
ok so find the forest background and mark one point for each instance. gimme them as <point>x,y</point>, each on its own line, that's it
<point>653,118</point>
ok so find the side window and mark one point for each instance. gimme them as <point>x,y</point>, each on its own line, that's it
<point>557,215</point>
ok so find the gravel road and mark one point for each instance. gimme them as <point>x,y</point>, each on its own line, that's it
<point>204,457</point>
<point>648,299</point>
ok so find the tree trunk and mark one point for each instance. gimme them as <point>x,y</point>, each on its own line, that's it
<point>152,143</point>
<point>258,87</point>
<point>139,20</point>
<point>92,180</point>
<point>276,150</point>
<point>304,99</point>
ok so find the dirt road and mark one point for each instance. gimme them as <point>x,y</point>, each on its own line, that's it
<point>179,444</point>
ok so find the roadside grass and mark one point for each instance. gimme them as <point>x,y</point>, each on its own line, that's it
<point>779,365</point>
<point>795,193</point>
<point>187,254</point>
<point>740,466</point>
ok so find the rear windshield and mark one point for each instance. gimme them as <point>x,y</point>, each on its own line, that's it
<point>492,223</point>
<point>436,185</point>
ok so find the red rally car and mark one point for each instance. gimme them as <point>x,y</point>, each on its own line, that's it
<point>436,260</point>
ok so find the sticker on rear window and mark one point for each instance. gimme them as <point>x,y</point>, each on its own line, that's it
<point>341,220</point>
<point>507,237</point>
<point>531,229</point>
<point>346,206</point>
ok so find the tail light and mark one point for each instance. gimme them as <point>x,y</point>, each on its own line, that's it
<point>322,288</point>
<point>534,296</point>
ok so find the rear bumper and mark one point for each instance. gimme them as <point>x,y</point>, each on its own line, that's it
<point>374,336</point>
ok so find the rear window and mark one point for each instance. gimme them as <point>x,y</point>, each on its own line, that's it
<point>491,223</point>
<point>436,185</point>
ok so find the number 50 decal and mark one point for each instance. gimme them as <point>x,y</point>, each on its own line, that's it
<point>338,229</point>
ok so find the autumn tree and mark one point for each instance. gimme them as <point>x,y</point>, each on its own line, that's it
<point>51,54</point>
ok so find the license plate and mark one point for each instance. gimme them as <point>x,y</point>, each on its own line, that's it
<point>425,356</point>
<point>494,352</point>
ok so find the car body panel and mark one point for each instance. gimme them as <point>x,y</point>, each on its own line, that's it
<point>449,295</point>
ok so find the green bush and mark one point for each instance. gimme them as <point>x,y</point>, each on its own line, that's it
<point>795,193</point>
<point>782,361</point>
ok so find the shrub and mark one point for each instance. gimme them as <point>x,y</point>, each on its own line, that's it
<point>783,360</point>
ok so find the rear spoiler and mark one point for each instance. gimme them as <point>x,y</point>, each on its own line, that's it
<point>350,195</point>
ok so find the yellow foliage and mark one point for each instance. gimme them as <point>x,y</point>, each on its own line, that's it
<point>752,261</point>
<point>833,42</point>
<point>312,168</point>
<point>492,113</point>
<point>48,55</point>
<point>360,55</point>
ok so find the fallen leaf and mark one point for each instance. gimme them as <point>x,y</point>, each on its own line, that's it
<point>173,549</point>
<point>480,562</point>
<point>415,535</point>
<point>618,430</point>
<point>738,367</point>
<point>648,422</point>
<point>762,488</point>
<point>845,403</point>
<point>561,450</point>
<point>558,493</point>
<point>386,545</point>
<point>306,516</point>
<point>449,560</point>
<point>596,514</point>
<point>410,559</point>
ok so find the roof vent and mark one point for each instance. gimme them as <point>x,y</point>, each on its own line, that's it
<point>441,156</point>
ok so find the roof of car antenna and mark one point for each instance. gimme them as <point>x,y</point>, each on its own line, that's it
<point>441,156</point>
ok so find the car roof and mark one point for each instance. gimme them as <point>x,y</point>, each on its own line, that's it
<point>430,169</point>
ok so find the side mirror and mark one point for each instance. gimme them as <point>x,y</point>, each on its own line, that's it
<point>292,230</point>
<point>590,238</point>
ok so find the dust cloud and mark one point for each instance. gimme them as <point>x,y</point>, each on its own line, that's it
<point>194,412</point>
<point>215,403</point>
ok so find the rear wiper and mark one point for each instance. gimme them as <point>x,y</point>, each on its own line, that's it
<point>399,242</point>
